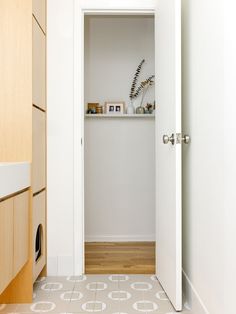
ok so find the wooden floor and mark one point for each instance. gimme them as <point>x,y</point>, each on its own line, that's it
<point>120,258</point>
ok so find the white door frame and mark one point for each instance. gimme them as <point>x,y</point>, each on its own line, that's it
<point>81,8</point>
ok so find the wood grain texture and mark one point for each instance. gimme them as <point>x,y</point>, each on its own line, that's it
<point>39,150</point>
<point>6,243</point>
<point>120,258</point>
<point>16,80</point>
<point>39,217</point>
<point>16,33</point>
<point>20,289</point>
<point>39,11</point>
<point>39,66</point>
<point>21,231</point>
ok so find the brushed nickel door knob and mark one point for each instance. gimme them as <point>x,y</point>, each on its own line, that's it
<point>167,139</point>
<point>186,139</point>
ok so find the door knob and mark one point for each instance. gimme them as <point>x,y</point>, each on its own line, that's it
<point>179,139</point>
<point>182,139</point>
<point>167,139</point>
<point>186,139</point>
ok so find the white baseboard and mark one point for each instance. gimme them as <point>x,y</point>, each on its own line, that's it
<point>192,298</point>
<point>60,266</point>
<point>52,266</point>
<point>120,238</point>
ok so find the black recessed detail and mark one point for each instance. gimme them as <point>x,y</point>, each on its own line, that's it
<point>38,243</point>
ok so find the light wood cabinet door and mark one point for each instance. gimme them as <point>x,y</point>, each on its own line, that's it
<point>15,80</point>
<point>39,11</point>
<point>6,243</point>
<point>21,231</point>
<point>39,150</point>
<point>39,219</point>
<point>39,67</point>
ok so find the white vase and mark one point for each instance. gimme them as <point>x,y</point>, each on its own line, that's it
<point>130,109</point>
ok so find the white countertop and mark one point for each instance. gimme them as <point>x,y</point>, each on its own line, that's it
<point>14,177</point>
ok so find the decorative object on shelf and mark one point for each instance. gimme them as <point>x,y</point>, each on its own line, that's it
<point>130,108</point>
<point>92,108</point>
<point>135,92</point>
<point>149,108</point>
<point>154,107</point>
<point>140,110</point>
<point>99,109</point>
<point>116,107</point>
<point>145,86</point>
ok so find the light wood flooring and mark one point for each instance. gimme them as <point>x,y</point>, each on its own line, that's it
<point>120,258</point>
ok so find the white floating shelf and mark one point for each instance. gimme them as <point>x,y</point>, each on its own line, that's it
<point>97,116</point>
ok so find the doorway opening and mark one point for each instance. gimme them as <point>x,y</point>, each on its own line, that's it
<point>119,148</point>
<point>168,136</point>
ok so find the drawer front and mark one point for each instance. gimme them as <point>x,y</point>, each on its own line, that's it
<point>39,222</point>
<point>39,150</point>
<point>39,67</point>
<point>21,231</point>
<point>39,11</point>
<point>6,243</point>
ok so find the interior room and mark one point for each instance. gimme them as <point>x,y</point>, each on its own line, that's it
<point>119,150</point>
<point>117,156</point>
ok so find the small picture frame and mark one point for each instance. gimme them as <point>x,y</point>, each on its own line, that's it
<point>115,107</point>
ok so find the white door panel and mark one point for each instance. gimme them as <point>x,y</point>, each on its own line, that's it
<point>168,166</point>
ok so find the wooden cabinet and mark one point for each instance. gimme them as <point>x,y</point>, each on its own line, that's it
<point>39,138</point>
<point>22,131</point>
<point>39,67</point>
<point>39,150</point>
<point>39,221</point>
<point>15,80</point>
<point>14,237</point>
<point>21,231</point>
<point>6,243</point>
<point>39,11</point>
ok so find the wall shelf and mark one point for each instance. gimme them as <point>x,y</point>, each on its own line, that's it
<point>132,116</point>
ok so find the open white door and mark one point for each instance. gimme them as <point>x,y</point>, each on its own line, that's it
<point>168,150</point>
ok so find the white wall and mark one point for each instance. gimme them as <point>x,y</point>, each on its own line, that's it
<point>119,179</point>
<point>203,163</point>
<point>230,155</point>
<point>119,153</point>
<point>114,46</point>
<point>60,137</point>
<point>60,129</point>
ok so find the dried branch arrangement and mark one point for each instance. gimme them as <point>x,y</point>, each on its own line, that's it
<point>134,93</point>
<point>145,86</point>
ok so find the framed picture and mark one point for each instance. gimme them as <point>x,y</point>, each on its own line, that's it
<point>115,107</point>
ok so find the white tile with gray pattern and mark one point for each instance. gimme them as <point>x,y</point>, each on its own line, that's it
<point>107,294</point>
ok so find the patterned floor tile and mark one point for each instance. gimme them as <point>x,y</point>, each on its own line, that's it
<point>57,284</point>
<point>61,299</point>
<point>36,307</point>
<point>40,281</point>
<point>82,300</point>
<point>106,294</point>
<point>7,308</point>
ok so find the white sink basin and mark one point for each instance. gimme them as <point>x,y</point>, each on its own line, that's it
<point>14,177</point>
